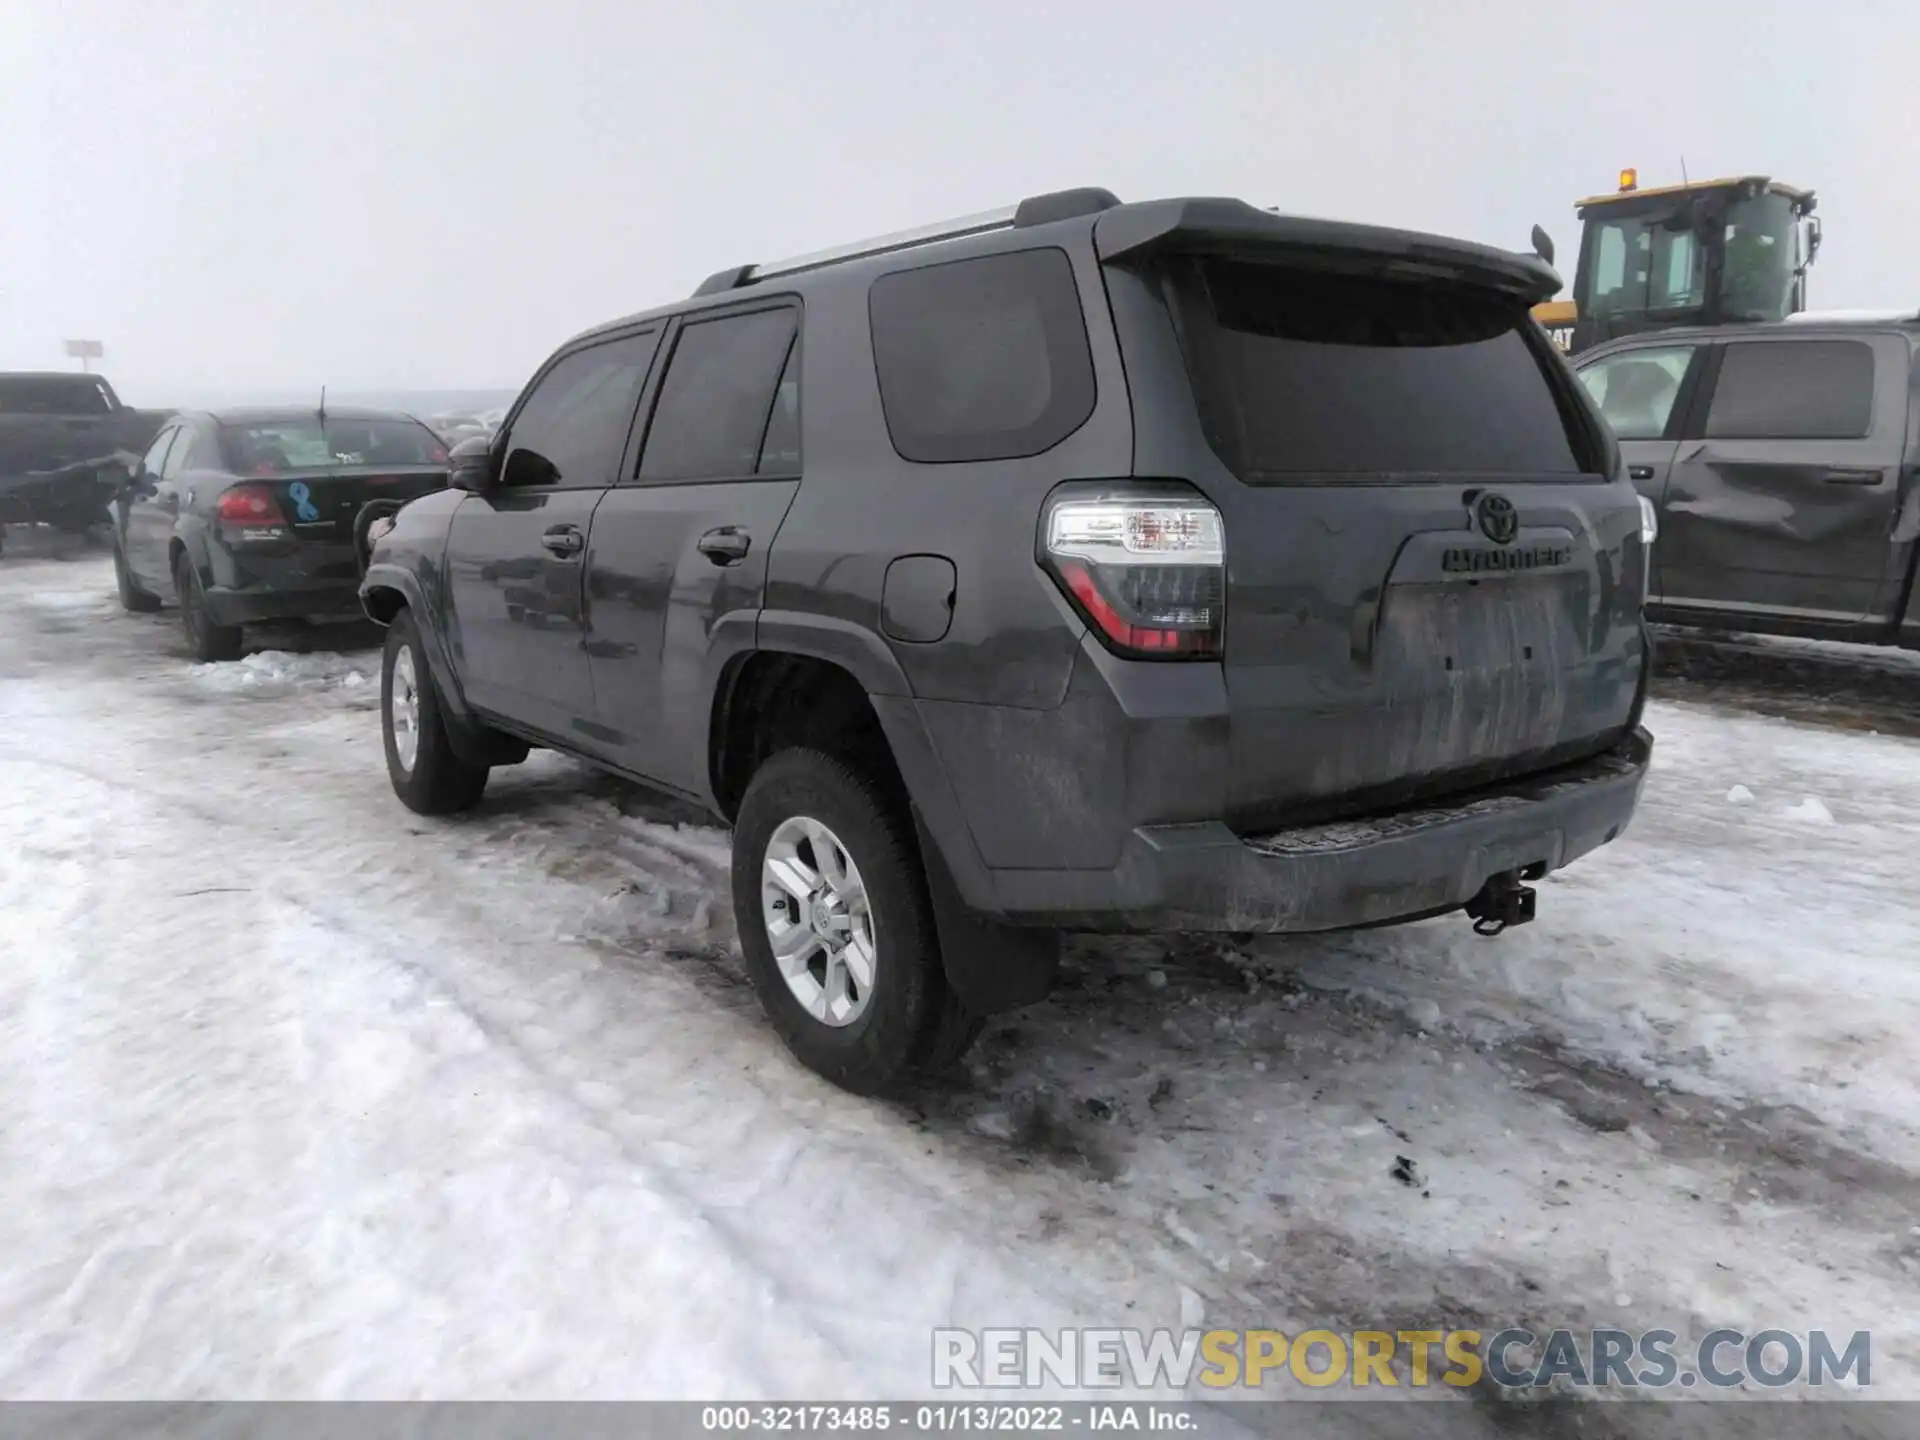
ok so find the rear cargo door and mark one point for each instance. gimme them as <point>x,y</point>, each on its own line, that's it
<point>1431,583</point>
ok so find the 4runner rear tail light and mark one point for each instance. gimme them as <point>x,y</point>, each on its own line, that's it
<point>1146,568</point>
<point>250,512</point>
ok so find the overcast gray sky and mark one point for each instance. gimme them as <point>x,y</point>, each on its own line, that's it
<point>423,193</point>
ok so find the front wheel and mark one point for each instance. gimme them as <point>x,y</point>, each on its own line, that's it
<point>427,775</point>
<point>208,642</point>
<point>837,926</point>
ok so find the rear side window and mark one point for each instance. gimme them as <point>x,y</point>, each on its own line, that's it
<point>191,452</point>
<point>1793,390</point>
<point>156,455</point>
<point>1316,375</point>
<point>982,359</point>
<point>1636,391</point>
<point>717,398</point>
<point>573,428</point>
<point>780,451</point>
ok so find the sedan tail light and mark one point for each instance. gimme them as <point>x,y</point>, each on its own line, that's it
<point>1145,566</point>
<point>250,511</point>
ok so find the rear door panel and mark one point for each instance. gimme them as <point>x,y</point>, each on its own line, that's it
<point>1795,528</point>
<point>701,474</point>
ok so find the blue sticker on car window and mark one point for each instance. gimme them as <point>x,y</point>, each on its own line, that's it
<point>305,511</point>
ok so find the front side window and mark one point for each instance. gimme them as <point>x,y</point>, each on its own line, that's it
<point>1636,391</point>
<point>1793,390</point>
<point>573,427</point>
<point>982,359</point>
<point>717,398</point>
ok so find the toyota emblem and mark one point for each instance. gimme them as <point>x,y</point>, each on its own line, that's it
<point>1499,521</point>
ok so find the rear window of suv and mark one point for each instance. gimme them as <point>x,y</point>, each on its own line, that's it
<point>1314,375</point>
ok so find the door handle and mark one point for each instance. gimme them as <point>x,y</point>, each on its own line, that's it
<point>1639,472</point>
<point>726,546</point>
<point>1852,477</point>
<point>564,540</point>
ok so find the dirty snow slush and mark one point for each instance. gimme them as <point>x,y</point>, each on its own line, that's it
<point>308,1097</point>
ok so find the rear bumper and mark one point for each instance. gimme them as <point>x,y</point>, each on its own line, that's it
<point>338,600</point>
<point>252,584</point>
<point>1420,861</point>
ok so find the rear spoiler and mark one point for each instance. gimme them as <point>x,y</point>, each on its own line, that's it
<point>1221,226</point>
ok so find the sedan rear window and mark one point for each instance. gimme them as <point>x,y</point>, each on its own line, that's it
<point>270,447</point>
<point>1308,374</point>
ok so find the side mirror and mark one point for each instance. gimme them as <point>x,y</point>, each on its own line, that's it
<point>1813,239</point>
<point>1543,244</point>
<point>471,466</point>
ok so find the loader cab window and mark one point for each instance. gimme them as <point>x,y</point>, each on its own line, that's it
<point>1762,241</point>
<point>1640,268</point>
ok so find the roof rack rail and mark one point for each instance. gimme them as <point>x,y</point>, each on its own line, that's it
<point>1034,210</point>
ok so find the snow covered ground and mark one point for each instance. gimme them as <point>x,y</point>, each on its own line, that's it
<point>306,1096</point>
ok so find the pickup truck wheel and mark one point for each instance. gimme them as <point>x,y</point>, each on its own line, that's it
<point>132,598</point>
<point>837,927</point>
<point>208,642</point>
<point>426,774</point>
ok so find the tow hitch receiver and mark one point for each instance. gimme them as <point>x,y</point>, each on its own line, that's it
<point>1503,902</point>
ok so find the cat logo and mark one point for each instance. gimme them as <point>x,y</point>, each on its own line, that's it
<point>1562,336</point>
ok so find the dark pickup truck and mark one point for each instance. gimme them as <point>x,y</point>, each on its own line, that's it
<point>65,441</point>
<point>1783,461</point>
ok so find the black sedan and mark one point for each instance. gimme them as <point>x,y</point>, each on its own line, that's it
<point>245,516</point>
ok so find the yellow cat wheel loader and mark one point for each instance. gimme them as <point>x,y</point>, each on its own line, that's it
<point>1709,252</point>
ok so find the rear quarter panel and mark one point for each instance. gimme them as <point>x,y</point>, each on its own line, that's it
<point>860,506</point>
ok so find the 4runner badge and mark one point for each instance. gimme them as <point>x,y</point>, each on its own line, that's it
<point>1499,521</point>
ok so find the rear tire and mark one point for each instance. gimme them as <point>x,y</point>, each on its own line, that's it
<point>208,642</point>
<point>427,775</point>
<point>133,599</point>
<point>903,1020</point>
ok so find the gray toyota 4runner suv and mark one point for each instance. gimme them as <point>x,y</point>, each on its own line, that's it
<point>1096,566</point>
